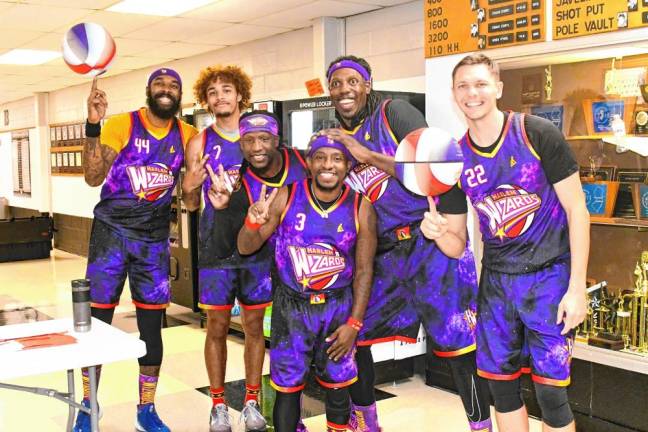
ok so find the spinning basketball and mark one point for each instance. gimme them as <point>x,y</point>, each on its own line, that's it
<point>429,161</point>
<point>88,49</point>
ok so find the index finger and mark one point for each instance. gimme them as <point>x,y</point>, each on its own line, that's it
<point>212,175</point>
<point>433,208</point>
<point>94,84</point>
<point>272,196</point>
<point>262,195</point>
<point>203,160</point>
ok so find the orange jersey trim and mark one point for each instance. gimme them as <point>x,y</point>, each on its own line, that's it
<point>475,149</point>
<point>255,307</point>
<point>214,307</point>
<point>150,306</point>
<point>551,381</point>
<point>456,353</point>
<point>525,137</point>
<point>287,389</point>
<point>369,342</point>
<point>291,198</point>
<point>499,377</point>
<point>334,206</point>
<point>104,305</point>
<point>336,385</point>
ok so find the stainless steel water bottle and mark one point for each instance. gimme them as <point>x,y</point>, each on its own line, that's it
<point>81,305</point>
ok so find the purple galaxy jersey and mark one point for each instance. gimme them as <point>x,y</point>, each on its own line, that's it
<point>218,287</point>
<point>413,281</point>
<point>517,325</point>
<point>315,250</point>
<point>522,222</point>
<point>314,262</point>
<point>136,197</point>
<point>222,151</point>
<point>526,259</point>
<point>395,205</point>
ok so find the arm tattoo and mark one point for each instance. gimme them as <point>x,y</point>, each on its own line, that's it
<point>97,160</point>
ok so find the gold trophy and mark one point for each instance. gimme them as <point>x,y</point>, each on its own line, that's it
<point>638,307</point>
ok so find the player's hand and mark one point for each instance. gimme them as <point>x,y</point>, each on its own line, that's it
<point>361,153</point>
<point>259,212</point>
<point>221,188</point>
<point>196,174</point>
<point>433,225</point>
<point>97,103</point>
<point>343,339</point>
<point>572,308</point>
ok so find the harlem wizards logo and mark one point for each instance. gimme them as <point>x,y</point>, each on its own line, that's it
<point>510,210</point>
<point>368,180</point>
<point>317,265</point>
<point>150,182</point>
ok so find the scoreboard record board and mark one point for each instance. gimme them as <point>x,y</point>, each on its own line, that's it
<point>458,26</point>
<point>573,18</point>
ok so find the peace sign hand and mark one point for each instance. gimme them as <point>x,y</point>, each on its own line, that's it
<point>259,212</point>
<point>433,225</point>
<point>97,103</point>
<point>221,188</point>
<point>196,174</point>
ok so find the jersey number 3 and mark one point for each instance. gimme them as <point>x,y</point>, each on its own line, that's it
<point>301,219</point>
<point>475,176</point>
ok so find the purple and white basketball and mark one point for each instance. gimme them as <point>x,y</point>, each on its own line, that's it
<point>88,49</point>
<point>429,161</point>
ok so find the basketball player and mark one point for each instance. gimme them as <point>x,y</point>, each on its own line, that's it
<point>415,280</point>
<point>523,180</point>
<point>139,155</point>
<point>224,274</point>
<point>325,240</point>
<point>226,92</point>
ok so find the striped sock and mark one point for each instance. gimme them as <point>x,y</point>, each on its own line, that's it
<point>85,379</point>
<point>252,393</point>
<point>147,387</point>
<point>332,427</point>
<point>217,395</point>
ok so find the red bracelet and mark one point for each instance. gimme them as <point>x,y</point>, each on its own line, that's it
<point>252,226</point>
<point>354,323</point>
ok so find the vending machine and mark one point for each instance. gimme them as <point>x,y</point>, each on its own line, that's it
<point>303,117</point>
<point>183,240</point>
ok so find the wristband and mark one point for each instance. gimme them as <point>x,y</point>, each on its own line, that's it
<point>92,130</point>
<point>354,323</point>
<point>252,226</point>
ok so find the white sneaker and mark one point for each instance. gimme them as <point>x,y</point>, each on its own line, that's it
<point>219,419</point>
<point>251,415</point>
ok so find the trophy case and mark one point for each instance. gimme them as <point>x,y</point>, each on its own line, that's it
<point>601,107</point>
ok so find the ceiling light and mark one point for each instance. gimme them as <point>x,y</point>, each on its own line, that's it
<point>28,57</point>
<point>157,7</point>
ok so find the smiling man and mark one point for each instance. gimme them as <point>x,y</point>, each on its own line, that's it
<point>523,180</point>
<point>226,91</point>
<point>139,155</point>
<point>416,280</point>
<point>324,243</point>
<point>225,274</point>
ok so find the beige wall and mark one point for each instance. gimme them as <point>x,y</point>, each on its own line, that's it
<point>391,39</point>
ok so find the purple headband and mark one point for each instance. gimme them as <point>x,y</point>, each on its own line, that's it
<point>258,123</point>
<point>164,71</point>
<point>349,64</point>
<point>324,141</point>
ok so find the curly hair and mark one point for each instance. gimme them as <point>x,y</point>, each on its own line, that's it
<point>230,74</point>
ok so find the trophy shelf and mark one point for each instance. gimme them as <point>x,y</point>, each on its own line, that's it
<point>636,223</point>
<point>598,137</point>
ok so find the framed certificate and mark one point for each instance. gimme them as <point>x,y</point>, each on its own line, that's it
<point>599,114</point>
<point>551,112</point>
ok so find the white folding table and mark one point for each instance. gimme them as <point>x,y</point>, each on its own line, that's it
<point>102,344</point>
